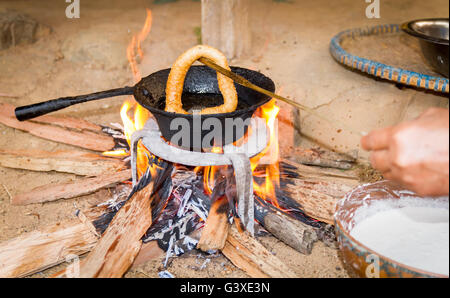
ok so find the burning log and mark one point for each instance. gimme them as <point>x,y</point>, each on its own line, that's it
<point>215,231</point>
<point>84,139</point>
<point>35,251</point>
<point>75,162</point>
<point>81,187</point>
<point>248,254</point>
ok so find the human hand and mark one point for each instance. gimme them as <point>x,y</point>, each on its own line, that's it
<point>415,153</point>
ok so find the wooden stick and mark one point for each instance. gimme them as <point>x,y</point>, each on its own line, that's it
<point>318,198</point>
<point>75,162</point>
<point>120,243</point>
<point>294,233</point>
<point>38,250</point>
<point>84,139</point>
<point>215,231</point>
<point>248,254</point>
<point>78,188</point>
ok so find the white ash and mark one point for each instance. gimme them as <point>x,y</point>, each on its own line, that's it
<point>165,274</point>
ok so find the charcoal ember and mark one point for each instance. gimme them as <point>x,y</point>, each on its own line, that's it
<point>288,170</point>
<point>105,219</point>
<point>118,135</point>
<point>173,230</point>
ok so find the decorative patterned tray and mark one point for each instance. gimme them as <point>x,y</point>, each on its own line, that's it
<point>390,52</point>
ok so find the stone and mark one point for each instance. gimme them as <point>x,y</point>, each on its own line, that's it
<point>17,29</point>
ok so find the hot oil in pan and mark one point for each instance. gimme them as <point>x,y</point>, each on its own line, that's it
<point>199,101</point>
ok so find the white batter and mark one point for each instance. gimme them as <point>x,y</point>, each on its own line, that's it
<point>415,236</point>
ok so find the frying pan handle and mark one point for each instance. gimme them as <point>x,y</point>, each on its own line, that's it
<point>38,109</point>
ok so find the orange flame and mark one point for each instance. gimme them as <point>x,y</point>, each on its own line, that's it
<point>210,173</point>
<point>266,191</point>
<point>135,46</point>
<point>116,153</point>
<point>269,156</point>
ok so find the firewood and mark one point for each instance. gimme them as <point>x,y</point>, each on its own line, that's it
<point>38,250</point>
<point>246,253</point>
<point>317,197</point>
<point>215,231</point>
<point>83,139</point>
<point>319,172</point>
<point>53,244</point>
<point>149,251</point>
<point>66,122</point>
<point>78,188</point>
<point>75,162</point>
<point>322,158</point>
<point>294,233</point>
<point>120,243</point>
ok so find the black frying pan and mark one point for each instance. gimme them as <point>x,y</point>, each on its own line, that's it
<point>200,90</point>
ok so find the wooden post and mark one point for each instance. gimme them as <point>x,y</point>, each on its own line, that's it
<point>225,26</point>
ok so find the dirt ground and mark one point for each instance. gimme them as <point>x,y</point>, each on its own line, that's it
<point>290,45</point>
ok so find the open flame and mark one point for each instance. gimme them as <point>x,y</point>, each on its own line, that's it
<point>266,190</point>
<point>269,156</point>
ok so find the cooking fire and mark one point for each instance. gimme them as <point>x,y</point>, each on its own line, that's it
<point>224,141</point>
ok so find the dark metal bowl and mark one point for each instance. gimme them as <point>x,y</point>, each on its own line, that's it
<point>434,40</point>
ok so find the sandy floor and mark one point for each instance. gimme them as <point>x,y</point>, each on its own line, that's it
<point>290,44</point>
